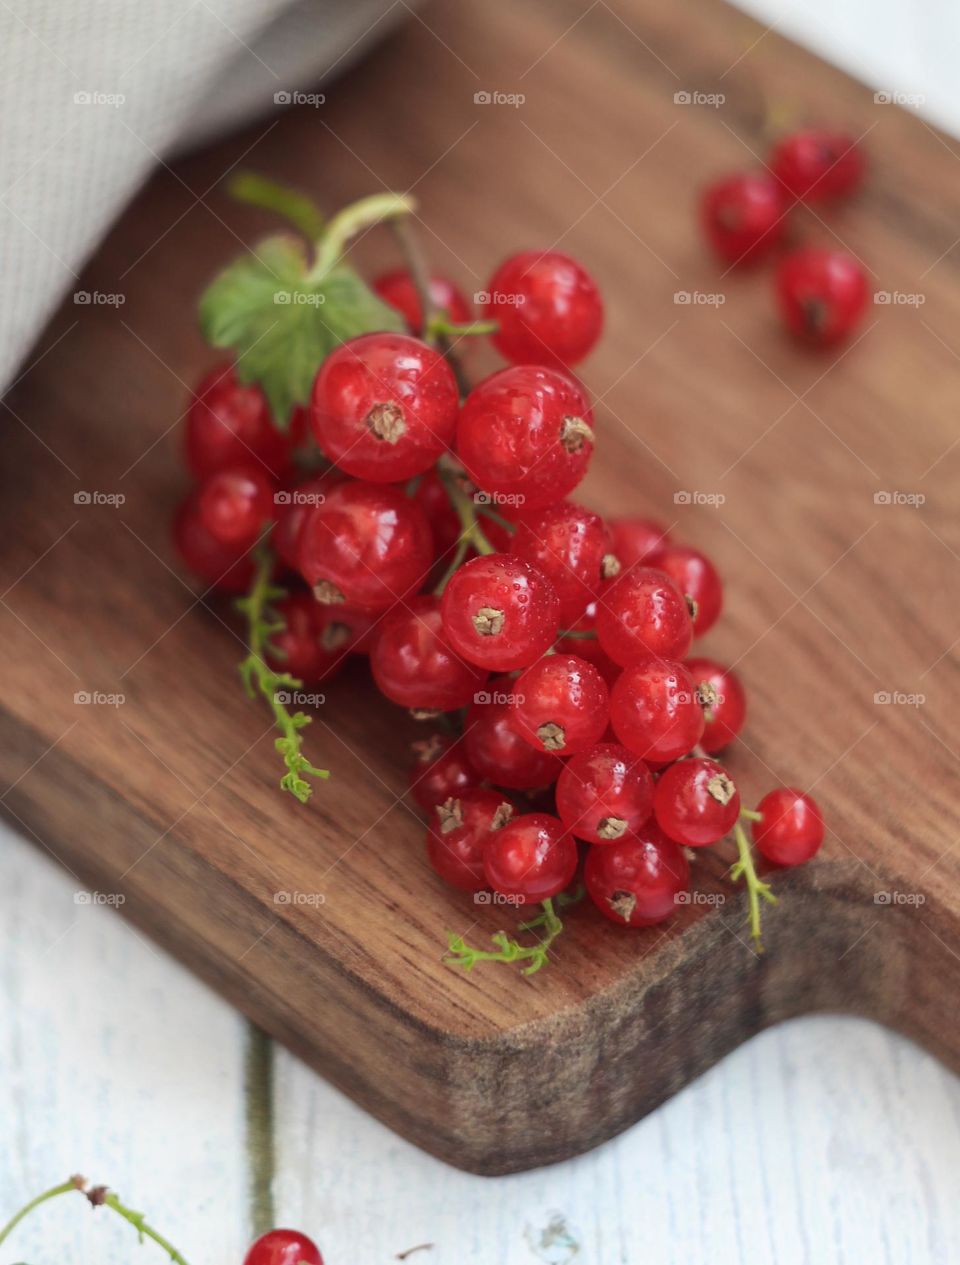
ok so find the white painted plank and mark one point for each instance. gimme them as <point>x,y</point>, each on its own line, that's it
<point>116,1063</point>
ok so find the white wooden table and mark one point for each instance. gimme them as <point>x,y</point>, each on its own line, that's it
<point>827,1140</point>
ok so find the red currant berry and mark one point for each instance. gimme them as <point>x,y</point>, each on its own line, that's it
<point>283,1247</point>
<point>384,406</point>
<point>441,771</point>
<point>526,432</point>
<point>696,802</point>
<point>572,547</point>
<point>636,880</point>
<point>743,216</point>
<point>292,507</point>
<point>303,648</point>
<point>346,629</point>
<point>235,504</point>
<point>792,828</point>
<point>531,858</point>
<point>642,613</point>
<point>229,424</point>
<point>588,648</point>
<point>654,710</point>
<point>696,577</point>
<point>561,705</point>
<point>604,793</point>
<point>814,164</point>
<point>431,494</point>
<point>499,612</point>
<point>413,664</point>
<point>366,545</point>
<point>548,307</point>
<point>220,566</point>
<point>397,289</point>
<point>723,701</point>
<point>634,539</point>
<point>461,828</point>
<point>495,748</point>
<point>822,294</point>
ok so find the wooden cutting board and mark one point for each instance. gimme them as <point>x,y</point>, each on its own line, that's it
<point>835,596</point>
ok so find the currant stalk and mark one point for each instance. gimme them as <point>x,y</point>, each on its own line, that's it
<point>262,624</point>
<point>757,890</point>
<point>508,949</point>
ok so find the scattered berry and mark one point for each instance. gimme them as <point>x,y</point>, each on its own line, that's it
<point>636,880</point>
<point>814,164</point>
<point>743,216</point>
<point>695,576</point>
<point>572,547</point>
<point>414,665</point>
<point>229,424</point>
<point>461,828</point>
<point>548,307</point>
<point>283,1247</point>
<point>654,710</point>
<point>822,294</point>
<point>791,831</point>
<point>531,858</point>
<point>642,613</point>
<point>604,793</point>
<point>723,701</point>
<point>499,612</point>
<point>696,802</point>
<point>562,704</point>
<point>397,289</point>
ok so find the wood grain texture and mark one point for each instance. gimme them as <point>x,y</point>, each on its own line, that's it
<point>170,797</point>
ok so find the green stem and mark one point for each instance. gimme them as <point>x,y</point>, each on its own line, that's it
<point>494,517</point>
<point>757,890</point>
<point>440,326</point>
<point>578,634</point>
<point>509,950</point>
<point>472,534</point>
<point>63,1189</point>
<point>262,623</point>
<point>748,814</point>
<point>143,1230</point>
<point>302,213</point>
<point>352,220</point>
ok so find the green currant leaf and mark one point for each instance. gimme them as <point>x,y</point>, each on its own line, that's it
<point>281,323</point>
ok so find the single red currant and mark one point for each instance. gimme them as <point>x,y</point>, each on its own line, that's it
<point>220,566</point>
<point>499,612</point>
<point>366,545</point>
<point>236,504</point>
<point>292,505</point>
<point>346,629</point>
<point>302,647</point>
<point>461,828</point>
<point>440,771</point>
<point>283,1247</point>
<point>531,858</point>
<point>634,539</point>
<point>527,433</point>
<point>384,406</point>
<point>414,665</point>
<point>696,802</point>
<point>642,613</point>
<point>397,289</point>
<point>229,424</point>
<point>743,216</point>
<point>723,701</point>
<point>636,880</point>
<point>654,710</point>
<point>822,294</point>
<point>571,546</point>
<point>604,793</point>
<point>562,704</point>
<point>791,831</point>
<point>548,308</point>
<point>696,577</point>
<point>495,748</point>
<point>815,164</point>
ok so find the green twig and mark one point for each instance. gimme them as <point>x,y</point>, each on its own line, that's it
<point>355,219</point>
<point>302,213</point>
<point>472,534</point>
<point>757,890</point>
<point>507,949</point>
<point>262,623</point>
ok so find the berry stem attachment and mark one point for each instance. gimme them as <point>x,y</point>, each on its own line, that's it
<point>472,533</point>
<point>757,890</point>
<point>352,220</point>
<point>509,950</point>
<point>439,326</point>
<point>494,517</point>
<point>97,1196</point>
<point>578,634</point>
<point>749,814</point>
<point>262,623</point>
<point>300,211</point>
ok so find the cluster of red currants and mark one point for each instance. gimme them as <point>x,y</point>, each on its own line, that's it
<point>822,293</point>
<point>554,645</point>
